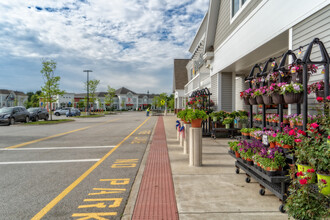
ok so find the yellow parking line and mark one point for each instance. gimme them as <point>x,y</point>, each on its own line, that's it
<point>50,205</point>
<point>56,135</point>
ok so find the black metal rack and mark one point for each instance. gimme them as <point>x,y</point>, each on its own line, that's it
<point>279,184</point>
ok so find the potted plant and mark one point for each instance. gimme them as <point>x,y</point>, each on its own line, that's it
<point>258,93</point>
<point>304,203</point>
<point>227,122</point>
<point>292,93</point>
<point>196,117</point>
<point>272,140</point>
<point>243,120</point>
<point>183,114</point>
<point>245,95</point>
<point>274,161</point>
<point>245,132</point>
<point>274,91</point>
<point>297,72</point>
<point>214,116</point>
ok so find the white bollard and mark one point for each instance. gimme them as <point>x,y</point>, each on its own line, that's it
<point>186,139</point>
<point>181,138</point>
<point>195,147</point>
<point>177,134</point>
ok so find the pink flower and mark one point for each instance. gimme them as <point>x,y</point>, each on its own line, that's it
<point>328,98</point>
<point>310,170</point>
<point>291,133</point>
<point>302,132</point>
<point>274,135</point>
<point>297,140</point>
<point>271,88</point>
<point>319,99</point>
<point>314,125</point>
<point>303,181</point>
<point>323,181</point>
<point>328,136</point>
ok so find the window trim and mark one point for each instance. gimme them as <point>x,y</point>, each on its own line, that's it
<point>240,9</point>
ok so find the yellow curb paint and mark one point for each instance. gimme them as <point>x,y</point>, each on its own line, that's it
<point>56,200</point>
<point>56,135</point>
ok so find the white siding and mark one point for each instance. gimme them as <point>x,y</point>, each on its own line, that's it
<point>317,25</point>
<point>240,86</point>
<point>214,89</point>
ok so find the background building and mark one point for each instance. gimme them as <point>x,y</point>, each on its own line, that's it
<point>9,98</point>
<point>179,80</point>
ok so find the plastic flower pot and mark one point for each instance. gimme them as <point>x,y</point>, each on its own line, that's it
<point>246,101</point>
<point>267,99</point>
<point>272,144</point>
<point>237,154</point>
<point>259,99</point>
<point>186,122</point>
<point>320,93</point>
<point>227,126</point>
<point>277,98</point>
<point>286,146</point>
<point>214,118</point>
<point>249,161</point>
<point>196,123</point>
<point>291,98</point>
<point>326,189</point>
<point>253,101</point>
<point>303,168</point>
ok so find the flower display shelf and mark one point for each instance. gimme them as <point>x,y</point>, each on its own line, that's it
<point>232,132</point>
<point>278,185</point>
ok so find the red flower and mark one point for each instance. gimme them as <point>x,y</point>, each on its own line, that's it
<point>328,136</point>
<point>328,98</point>
<point>314,125</point>
<point>297,140</point>
<point>302,132</point>
<point>310,170</point>
<point>291,133</point>
<point>319,99</point>
<point>300,173</point>
<point>323,181</point>
<point>303,181</point>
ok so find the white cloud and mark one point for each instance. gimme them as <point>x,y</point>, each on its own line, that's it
<point>142,35</point>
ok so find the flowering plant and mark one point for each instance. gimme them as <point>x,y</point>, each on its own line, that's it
<point>292,87</point>
<point>272,76</point>
<point>274,88</point>
<point>249,149</point>
<point>304,203</point>
<point>247,93</point>
<point>311,68</point>
<point>317,86</point>
<point>259,92</point>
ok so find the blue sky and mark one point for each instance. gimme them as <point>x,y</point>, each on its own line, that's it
<point>129,43</point>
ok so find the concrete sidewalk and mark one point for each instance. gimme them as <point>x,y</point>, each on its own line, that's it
<point>215,191</point>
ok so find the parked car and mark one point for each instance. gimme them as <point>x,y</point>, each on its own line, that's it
<point>10,115</point>
<point>62,111</point>
<point>38,113</point>
<point>73,112</point>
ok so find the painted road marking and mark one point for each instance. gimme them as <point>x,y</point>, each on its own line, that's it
<point>139,140</point>
<point>57,135</point>
<point>102,203</point>
<point>57,199</point>
<point>145,132</point>
<point>57,148</point>
<point>94,215</point>
<point>125,163</point>
<point>48,161</point>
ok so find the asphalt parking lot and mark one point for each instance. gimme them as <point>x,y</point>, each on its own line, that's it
<point>73,170</point>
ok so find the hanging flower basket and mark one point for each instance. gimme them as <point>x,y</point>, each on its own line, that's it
<point>246,101</point>
<point>259,99</point>
<point>267,99</point>
<point>291,98</point>
<point>253,101</point>
<point>277,98</point>
<point>320,93</point>
<point>287,79</point>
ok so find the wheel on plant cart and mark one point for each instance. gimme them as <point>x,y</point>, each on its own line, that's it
<point>247,179</point>
<point>262,191</point>
<point>237,170</point>
<point>281,208</point>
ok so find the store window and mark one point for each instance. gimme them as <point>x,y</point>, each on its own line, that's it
<point>237,6</point>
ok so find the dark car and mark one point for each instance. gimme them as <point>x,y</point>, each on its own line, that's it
<point>10,115</point>
<point>38,113</point>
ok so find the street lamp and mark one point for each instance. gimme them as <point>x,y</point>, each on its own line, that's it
<point>147,98</point>
<point>88,89</point>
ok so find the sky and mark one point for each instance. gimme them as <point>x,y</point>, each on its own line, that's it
<point>130,43</point>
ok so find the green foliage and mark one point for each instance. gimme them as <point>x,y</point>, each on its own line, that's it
<point>183,114</point>
<point>303,203</point>
<point>92,89</point>
<point>234,145</point>
<point>292,87</point>
<point>228,120</point>
<point>196,114</point>
<point>109,98</point>
<point>51,87</point>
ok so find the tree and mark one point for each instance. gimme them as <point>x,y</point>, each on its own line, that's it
<point>170,102</point>
<point>108,99</point>
<point>51,88</point>
<point>92,89</point>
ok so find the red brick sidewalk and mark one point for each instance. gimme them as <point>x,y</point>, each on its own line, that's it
<point>156,197</point>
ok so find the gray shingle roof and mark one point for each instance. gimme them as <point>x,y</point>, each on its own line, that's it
<point>180,77</point>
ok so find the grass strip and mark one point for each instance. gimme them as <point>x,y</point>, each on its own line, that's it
<point>48,122</point>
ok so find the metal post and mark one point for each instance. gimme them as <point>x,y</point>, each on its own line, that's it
<point>88,90</point>
<point>305,104</point>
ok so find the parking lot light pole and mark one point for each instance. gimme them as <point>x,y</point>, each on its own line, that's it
<point>88,90</point>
